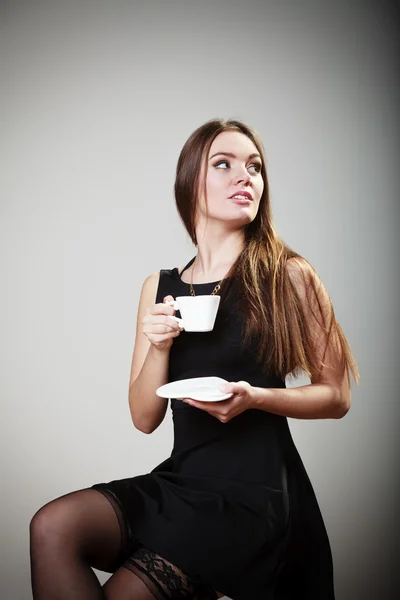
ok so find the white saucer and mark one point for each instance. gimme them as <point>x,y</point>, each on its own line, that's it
<point>198,388</point>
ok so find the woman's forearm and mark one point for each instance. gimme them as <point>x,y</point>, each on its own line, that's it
<point>314,401</point>
<point>147,409</point>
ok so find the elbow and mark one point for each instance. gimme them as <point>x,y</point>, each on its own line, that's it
<point>142,425</point>
<point>342,412</point>
<point>343,404</point>
<point>138,419</point>
<point>146,430</point>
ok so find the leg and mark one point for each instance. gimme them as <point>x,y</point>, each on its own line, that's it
<point>68,536</point>
<point>161,578</point>
<point>125,585</point>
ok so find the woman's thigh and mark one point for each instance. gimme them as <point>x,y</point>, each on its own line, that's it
<point>82,522</point>
<point>126,585</point>
<point>147,569</point>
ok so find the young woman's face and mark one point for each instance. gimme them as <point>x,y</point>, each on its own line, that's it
<point>233,169</point>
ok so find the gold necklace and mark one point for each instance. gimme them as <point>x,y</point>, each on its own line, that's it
<point>215,290</point>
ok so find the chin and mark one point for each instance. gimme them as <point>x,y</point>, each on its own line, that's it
<point>241,222</point>
<point>246,216</point>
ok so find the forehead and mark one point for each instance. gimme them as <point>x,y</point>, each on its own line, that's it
<point>232,141</point>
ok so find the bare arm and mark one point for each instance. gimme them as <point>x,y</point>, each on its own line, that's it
<point>154,336</point>
<point>315,401</point>
<point>329,395</point>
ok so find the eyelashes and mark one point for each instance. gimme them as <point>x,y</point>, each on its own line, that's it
<point>256,165</point>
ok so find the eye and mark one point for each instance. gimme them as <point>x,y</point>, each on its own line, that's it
<point>221,162</point>
<point>257,167</point>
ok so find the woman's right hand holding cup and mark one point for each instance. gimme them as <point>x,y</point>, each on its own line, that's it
<point>158,326</point>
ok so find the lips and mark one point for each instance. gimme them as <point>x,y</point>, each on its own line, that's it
<point>242,193</point>
<point>241,201</point>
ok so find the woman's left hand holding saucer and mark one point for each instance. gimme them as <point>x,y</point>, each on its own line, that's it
<point>243,398</point>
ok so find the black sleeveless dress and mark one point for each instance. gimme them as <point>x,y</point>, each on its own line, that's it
<point>233,505</point>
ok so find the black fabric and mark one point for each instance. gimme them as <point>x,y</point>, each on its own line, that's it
<point>233,505</point>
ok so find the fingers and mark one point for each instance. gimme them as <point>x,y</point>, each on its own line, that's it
<point>161,309</point>
<point>161,319</point>
<point>159,326</point>
<point>158,338</point>
<point>153,327</point>
<point>222,414</point>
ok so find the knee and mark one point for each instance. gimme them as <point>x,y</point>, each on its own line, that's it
<point>47,524</point>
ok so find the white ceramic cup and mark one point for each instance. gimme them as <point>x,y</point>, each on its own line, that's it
<point>198,312</point>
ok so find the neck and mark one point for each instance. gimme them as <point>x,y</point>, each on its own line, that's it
<point>216,254</point>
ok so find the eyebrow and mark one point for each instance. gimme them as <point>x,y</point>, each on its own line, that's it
<point>254,155</point>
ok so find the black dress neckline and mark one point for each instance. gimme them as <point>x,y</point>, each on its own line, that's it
<point>179,276</point>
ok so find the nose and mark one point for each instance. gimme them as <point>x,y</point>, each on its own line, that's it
<point>242,175</point>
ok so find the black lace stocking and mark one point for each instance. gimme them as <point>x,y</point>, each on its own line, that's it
<point>164,579</point>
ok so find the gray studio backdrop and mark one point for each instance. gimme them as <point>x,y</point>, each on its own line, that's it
<point>97,101</point>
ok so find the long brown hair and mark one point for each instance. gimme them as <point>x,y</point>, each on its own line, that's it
<point>268,271</point>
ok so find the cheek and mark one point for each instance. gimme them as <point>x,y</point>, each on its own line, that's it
<point>214,184</point>
<point>216,191</point>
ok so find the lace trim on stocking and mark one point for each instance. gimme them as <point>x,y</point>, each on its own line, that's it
<point>165,580</point>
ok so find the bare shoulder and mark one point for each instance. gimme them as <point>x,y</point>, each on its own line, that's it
<point>148,293</point>
<point>150,285</point>
<point>153,278</point>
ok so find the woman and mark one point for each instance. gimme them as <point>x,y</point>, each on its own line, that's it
<point>232,510</point>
